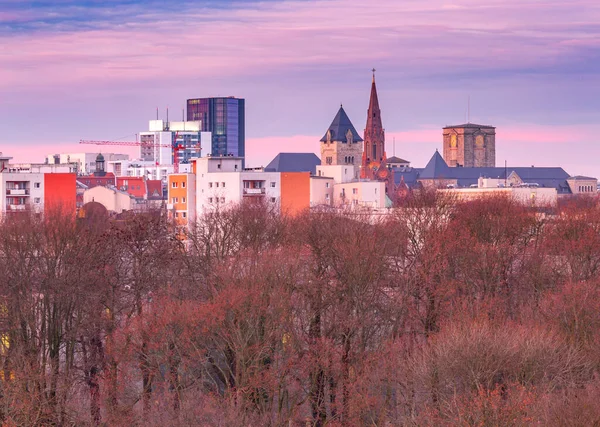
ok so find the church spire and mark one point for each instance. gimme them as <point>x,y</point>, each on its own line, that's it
<point>374,143</point>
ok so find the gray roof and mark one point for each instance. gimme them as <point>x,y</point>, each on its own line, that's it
<point>436,168</point>
<point>395,159</point>
<point>410,175</point>
<point>549,177</point>
<point>294,162</point>
<point>470,125</point>
<point>340,126</point>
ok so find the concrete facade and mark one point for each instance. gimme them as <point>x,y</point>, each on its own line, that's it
<point>469,145</point>
<point>112,199</point>
<point>86,162</point>
<point>360,193</point>
<point>583,185</point>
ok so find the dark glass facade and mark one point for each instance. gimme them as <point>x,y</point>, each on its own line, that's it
<point>225,118</point>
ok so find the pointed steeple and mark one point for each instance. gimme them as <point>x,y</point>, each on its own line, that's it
<point>338,130</point>
<point>374,113</point>
<point>374,144</point>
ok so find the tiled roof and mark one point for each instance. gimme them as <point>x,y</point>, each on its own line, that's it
<point>154,189</point>
<point>340,126</point>
<point>294,162</point>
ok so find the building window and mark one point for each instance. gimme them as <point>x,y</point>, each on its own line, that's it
<point>355,191</point>
<point>174,185</point>
<point>183,200</point>
<point>235,167</point>
<point>219,166</point>
<point>210,185</point>
<point>223,184</point>
<point>36,185</point>
<point>272,199</point>
<point>327,196</point>
<point>326,185</point>
<point>217,184</point>
<point>183,184</point>
<point>210,200</point>
<point>175,200</point>
<point>183,214</point>
<point>36,200</point>
<point>272,185</point>
<point>329,160</point>
<point>222,199</point>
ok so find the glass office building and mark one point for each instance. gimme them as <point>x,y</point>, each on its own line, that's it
<point>224,117</point>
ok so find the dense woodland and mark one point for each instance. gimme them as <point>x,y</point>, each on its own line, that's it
<point>483,313</point>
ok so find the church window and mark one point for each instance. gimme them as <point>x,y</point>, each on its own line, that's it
<point>355,191</point>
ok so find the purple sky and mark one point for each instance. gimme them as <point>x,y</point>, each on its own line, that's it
<point>75,69</point>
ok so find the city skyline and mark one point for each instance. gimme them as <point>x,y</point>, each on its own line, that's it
<point>529,69</point>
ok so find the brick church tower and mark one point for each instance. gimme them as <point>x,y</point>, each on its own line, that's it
<point>373,158</point>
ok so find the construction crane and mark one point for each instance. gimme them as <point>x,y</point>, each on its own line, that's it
<point>176,147</point>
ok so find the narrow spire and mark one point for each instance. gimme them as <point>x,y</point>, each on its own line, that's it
<point>373,74</point>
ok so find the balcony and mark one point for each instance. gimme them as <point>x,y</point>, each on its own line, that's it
<point>16,208</point>
<point>17,191</point>
<point>254,191</point>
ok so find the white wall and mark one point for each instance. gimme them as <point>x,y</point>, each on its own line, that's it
<point>339,173</point>
<point>34,200</point>
<point>360,193</point>
<point>112,200</point>
<point>321,191</point>
<point>86,161</point>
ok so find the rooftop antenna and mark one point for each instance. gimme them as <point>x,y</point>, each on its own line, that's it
<point>167,115</point>
<point>156,113</point>
<point>394,147</point>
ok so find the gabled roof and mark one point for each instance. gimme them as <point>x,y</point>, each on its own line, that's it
<point>340,126</point>
<point>395,159</point>
<point>470,125</point>
<point>154,187</point>
<point>436,168</point>
<point>294,162</point>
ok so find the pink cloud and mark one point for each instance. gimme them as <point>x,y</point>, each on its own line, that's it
<point>251,39</point>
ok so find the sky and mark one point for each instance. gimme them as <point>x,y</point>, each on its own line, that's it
<point>98,69</point>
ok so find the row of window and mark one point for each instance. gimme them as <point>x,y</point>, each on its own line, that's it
<point>176,200</point>
<point>586,188</point>
<point>180,214</point>
<point>216,184</point>
<point>175,184</point>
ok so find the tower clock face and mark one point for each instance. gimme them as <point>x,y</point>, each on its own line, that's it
<point>452,141</point>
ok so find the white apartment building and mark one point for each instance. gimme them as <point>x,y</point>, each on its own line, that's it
<point>86,162</point>
<point>158,142</point>
<point>30,186</point>
<point>360,193</point>
<point>222,180</point>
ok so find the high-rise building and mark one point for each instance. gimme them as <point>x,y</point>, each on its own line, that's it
<point>225,118</point>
